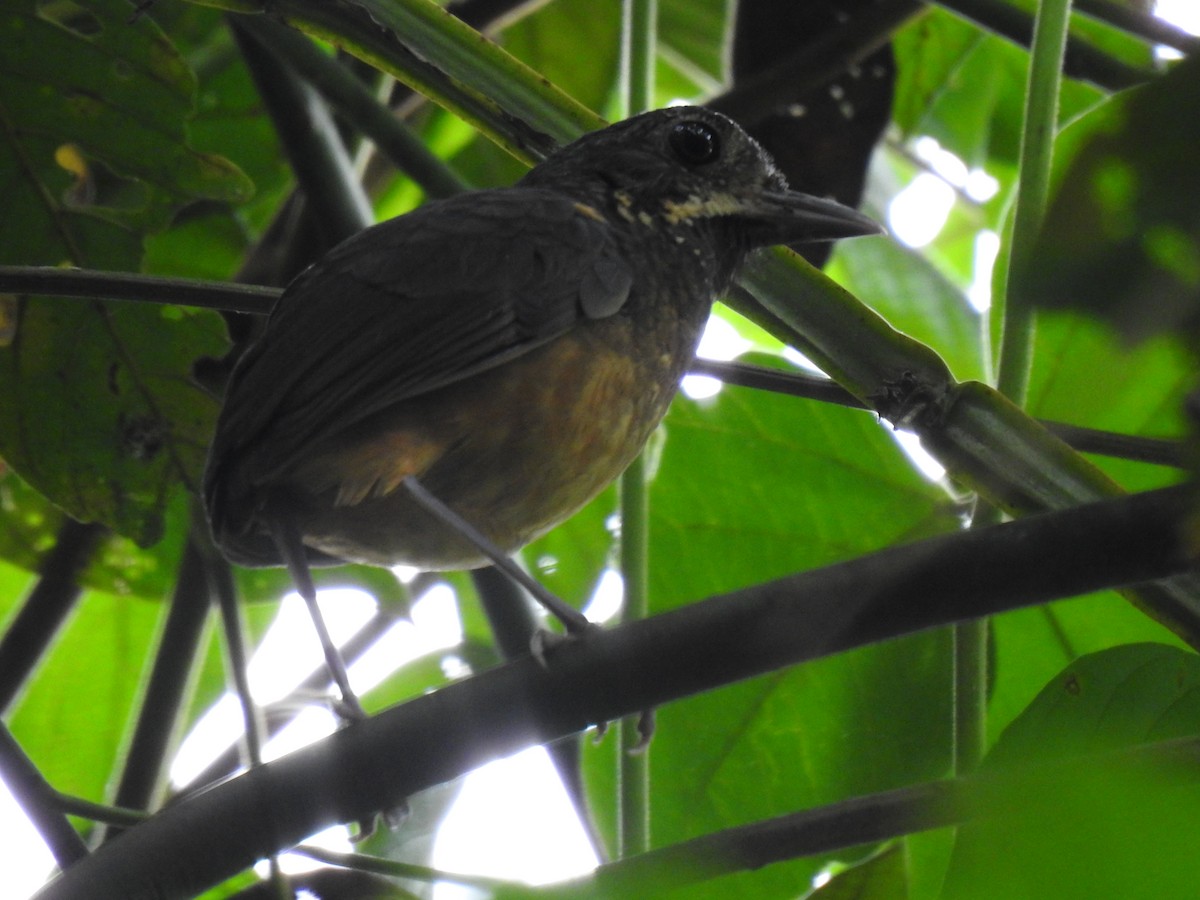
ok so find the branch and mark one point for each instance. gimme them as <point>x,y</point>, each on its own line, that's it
<point>355,103</point>
<point>39,801</point>
<point>258,300</point>
<point>866,819</point>
<point>1158,451</point>
<point>57,282</point>
<point>51,599</point>
<point>310,139</point>
<point>142,775</point>
<point>377,763</point>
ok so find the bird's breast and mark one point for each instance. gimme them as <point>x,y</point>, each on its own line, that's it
<point>515,450</point>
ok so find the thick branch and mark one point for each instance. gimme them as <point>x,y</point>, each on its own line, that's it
<point>377,763</point>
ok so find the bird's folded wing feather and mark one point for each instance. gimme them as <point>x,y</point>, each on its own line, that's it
<point>417,303</point>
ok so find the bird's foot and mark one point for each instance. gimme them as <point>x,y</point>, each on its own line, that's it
<point>645,730</point>
<point>392,819</point>
<point>544,643</point>
<point>348,709</point>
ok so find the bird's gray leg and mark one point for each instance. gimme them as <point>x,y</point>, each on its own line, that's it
<point>572,619</point>
<point>291,548</point>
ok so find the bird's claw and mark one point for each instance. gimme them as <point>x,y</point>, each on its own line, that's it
<point>347,709</point>
<point>392,820</point>
<point>645,730</point>
<point>545,643</point>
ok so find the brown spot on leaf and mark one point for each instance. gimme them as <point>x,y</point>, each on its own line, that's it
<point>142,437</point>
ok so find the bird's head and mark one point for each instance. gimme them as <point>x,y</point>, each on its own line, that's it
<point>685,166</point>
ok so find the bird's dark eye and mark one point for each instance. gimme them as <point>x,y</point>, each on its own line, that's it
<point>695,143</point>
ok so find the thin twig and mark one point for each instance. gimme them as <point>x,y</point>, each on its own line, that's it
<point>39,801</point>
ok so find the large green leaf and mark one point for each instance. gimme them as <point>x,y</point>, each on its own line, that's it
<point>100,414</point>
<point>916,298</point>
<point>1032,645</point>
<point>1083,375</point>
<point>95,106</point>
<point>869,720</point>
<point>555,38</point>
<point>74,720</point>
<point>692,36</point>
<point>1119,697</point>
<point>1097,830</point>
<point>1122,237</point>
<point>966,88</point>
<point>211,240</point>
<point>752,486</point>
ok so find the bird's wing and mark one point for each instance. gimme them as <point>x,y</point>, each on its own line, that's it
<point>417,303</point>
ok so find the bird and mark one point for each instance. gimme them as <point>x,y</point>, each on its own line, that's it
<point>456,381</point>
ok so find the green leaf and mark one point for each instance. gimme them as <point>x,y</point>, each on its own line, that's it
<point>1099,829</point>
<point>31,524</point>
<point>1031,646</point>
<point>74,720</point>
<point>930,56</point>
<point>881,877</point>
<point>1122,236</point>
<point>915,298</point>
<point>1119,697</point>
<point>94,112</point>
<point>869,720</point>
<point>100,413</point>
<point>570,559</point>
<point>229,117</point>
<point>1082,375</point>
<point>751,486</point>
<point>693,36</point>
<point>966,88</point>
<point>555,38</point>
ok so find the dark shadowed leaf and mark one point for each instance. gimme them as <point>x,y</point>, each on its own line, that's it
<point>100,414</point>
<point>1122,237</point>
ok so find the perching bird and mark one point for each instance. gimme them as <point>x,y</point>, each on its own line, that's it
<point>509,350</point>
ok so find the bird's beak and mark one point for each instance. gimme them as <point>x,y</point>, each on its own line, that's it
<point>791,217</point>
